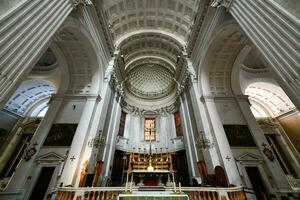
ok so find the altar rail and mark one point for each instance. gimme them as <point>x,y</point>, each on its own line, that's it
<point>112,193</point>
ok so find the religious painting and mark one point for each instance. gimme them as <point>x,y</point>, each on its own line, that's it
<point>239,136</point>
<point>60,135</point>
<point>122,124</point>
<point>178,124</point>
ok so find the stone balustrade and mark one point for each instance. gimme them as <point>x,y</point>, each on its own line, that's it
<point>112,193</point>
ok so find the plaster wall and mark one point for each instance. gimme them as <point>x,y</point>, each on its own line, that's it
<point>70,112</point>
<point>165,135</point>
<point>229,112</point>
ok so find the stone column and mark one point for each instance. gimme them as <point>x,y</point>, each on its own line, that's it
<point>25,34</point>
<point>112,131</point>
<point>72,164</point>
<point>204,125</point>
<point>20,177</point>
<point>96,132</point>
<point>188,132</point>
<point>225,152</point>
<point>11,147</point>
<point>260,139</point>
<point>275,33</point>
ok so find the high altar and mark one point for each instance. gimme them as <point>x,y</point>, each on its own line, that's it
<point>152,170</point>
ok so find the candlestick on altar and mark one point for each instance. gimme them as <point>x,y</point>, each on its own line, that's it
<point>174,185</point>
<point>179,187</point>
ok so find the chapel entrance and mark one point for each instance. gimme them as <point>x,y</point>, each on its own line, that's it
<point>257,183</point>
<point>42,183</point>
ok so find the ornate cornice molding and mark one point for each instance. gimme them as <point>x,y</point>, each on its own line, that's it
<point>105,27</point>
<point>202,12</point>
<point>95,97</point>
<point>170,109</point>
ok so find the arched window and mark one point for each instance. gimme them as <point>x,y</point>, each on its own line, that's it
<point>149,129</point>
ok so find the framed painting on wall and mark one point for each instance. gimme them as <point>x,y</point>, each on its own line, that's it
<point>60,135</point>
<point>239,135</point>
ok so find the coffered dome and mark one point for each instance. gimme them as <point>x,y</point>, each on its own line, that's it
<point>150,81</point>
<point>151,68</point>
<point>151,36</point>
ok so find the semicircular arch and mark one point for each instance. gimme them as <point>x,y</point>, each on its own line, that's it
<point>85,67</point>
<point>216,69</point>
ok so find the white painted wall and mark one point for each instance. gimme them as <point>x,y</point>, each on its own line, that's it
<point>68,114</point>
<point>165,134</point>
<point>229,111</point>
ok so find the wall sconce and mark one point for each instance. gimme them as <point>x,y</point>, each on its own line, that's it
<point>97,142</point>
<point>203,142</point>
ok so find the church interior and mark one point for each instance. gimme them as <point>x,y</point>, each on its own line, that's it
<point>149,99</point>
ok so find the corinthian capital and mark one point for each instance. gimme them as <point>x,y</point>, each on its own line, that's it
<point>83,2</point>
<point>219,3</point>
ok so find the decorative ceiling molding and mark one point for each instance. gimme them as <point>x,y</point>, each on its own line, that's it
<point>28,94</point>
<point>150,81</point>
<point>173,16</point>
<point>47,63</point>
<point>220,61</point>
<point>271,97</point>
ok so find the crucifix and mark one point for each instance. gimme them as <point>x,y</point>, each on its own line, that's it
<point>72,159</point>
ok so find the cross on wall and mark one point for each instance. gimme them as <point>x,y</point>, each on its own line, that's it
<point>228,158</point>
<point>72,159</point>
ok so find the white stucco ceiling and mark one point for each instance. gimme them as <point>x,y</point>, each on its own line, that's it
<point>150,81</point>
<point>151,36</point>
<point>28,95</point>
<point>270,97</point>
<point>174,17</point>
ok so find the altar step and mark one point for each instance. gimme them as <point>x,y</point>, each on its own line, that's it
<point>151,188</point>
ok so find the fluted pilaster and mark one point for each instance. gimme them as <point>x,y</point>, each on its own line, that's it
<point>276,34</point>
<point>24,34</point>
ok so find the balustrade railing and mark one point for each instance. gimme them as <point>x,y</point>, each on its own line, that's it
<point>112,193</point>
